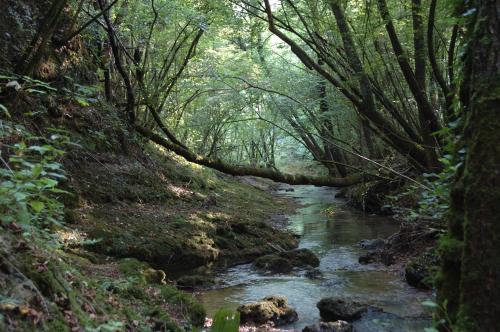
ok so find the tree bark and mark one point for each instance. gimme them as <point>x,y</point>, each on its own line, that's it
<point>130,106</point>
<point>471,252</point>
<point>429,122</point>
<point>40,41</point>
<point>330,152</point>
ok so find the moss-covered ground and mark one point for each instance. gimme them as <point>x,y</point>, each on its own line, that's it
<point>175,216</point>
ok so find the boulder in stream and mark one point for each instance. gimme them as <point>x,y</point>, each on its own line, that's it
<point>331,309</point>
<point>284,262</point>
<point>313,273</point>
<point>337,326</point>
<point>372,244</point>
<point>419,270</point>
<point>270,310</point>
<point>369,257</point>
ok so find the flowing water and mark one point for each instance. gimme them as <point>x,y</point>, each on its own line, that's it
<point>333,237</point>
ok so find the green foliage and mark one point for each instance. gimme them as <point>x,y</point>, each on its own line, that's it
<point>84,95</point>
<point>26,84</point>
<point>192,308</point>
<point>434,201</point>
<point>443,312</point>
<point>30,177</point>
<point>449,248</point>
<point>226,321</point>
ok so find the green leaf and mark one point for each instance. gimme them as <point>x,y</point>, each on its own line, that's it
<point>60,191</point>
<point>37,170</point>
<point>19,196</point>
<point>82,101</point>
<point>40,149</point>
<point>430,304</point>
<point>5,110</point>
<point>49,182</point>
<point>40,92</point>
<point>37,206</point>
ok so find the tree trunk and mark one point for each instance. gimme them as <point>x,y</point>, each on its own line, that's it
<point>471,252</point>
<point>330,152</point>
<point>267,173</point>
<point>35,51</point>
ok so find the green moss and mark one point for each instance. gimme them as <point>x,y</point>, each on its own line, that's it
<point>421,271</point>
<point>136,292</point>
<point>193,310</point>
<point>162,321</point>
<point>449,248</point>
<point>132,267</point>
<point>57,324</point>
<point>153,276</point>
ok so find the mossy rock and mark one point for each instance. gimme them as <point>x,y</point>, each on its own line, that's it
<point>272,309</point>
<point>420,271</point>
<point>284,262</point>
<point>153,276</point>
<point>273,263</point>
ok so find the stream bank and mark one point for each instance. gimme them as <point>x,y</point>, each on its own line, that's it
<point>332,230</point>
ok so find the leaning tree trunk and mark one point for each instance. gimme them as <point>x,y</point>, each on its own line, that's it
<point>471,251</point>
<point>268,173</point>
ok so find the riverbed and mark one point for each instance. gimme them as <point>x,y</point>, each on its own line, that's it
<point>332,230</point>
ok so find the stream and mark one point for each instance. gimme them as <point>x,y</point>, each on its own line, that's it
<point>334,238</point>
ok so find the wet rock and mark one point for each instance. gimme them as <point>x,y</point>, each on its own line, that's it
<point>370,257</point>
<point>372,244</point>
<point>338,326</point>
<point>331,309</point>
<point>342,193</point>
<point>387,258</point>
<point>289,190</point>
<point>273,263</point>
<point>301,257</point>
<point>284,262</point>
<point>418,271</point>
<point>271,309</point>
<point>313,274</point>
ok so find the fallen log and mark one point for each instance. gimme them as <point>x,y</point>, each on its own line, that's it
<point>267,173</point>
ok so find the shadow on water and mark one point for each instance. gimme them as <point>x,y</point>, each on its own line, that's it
<point>333,236</point>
